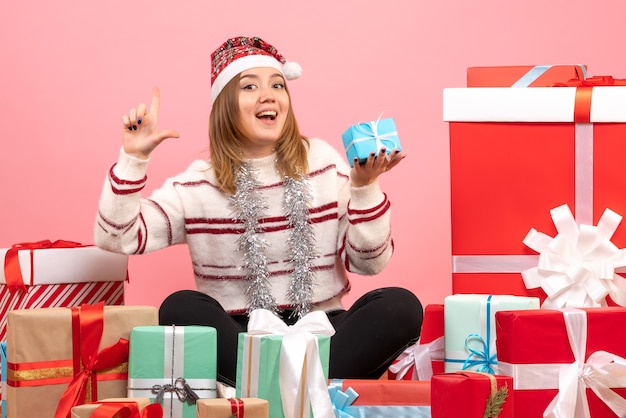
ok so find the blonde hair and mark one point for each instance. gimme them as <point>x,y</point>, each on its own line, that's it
<point>227,137</point>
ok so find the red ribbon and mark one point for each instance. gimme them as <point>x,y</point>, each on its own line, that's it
<point>584,89</point>
<point>87,328</point>
<point>236,407</point>
<point>12,270</point>
<point>127,410</point>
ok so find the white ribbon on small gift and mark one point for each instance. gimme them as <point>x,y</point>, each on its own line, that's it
<point>577,267</point>
<point>369,130</point>
<point>302,382</point>
<point>421,357</point>
<point>601,372</point>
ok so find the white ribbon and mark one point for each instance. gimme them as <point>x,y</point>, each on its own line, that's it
<point>577,268</point>
<point>421,356</point>
<point>302,382</point>
<point>600,373</point>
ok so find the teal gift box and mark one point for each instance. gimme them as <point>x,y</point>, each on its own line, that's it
<point>470,329</point>
<point>173,365</point>
<point>360,140</point>
<point>258,368</point>
<point>3,360</point>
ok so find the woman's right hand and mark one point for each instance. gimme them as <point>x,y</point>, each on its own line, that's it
<point>141,134</point>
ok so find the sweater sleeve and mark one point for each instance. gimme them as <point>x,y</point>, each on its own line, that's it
<point>365,242</point>
<point>129,224</point>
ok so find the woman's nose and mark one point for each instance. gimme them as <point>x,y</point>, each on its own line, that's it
<point>267,94</point>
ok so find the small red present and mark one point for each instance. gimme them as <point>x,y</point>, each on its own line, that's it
<point>472,395</point>
<point>524,75</point>
<point>567,363</point>
<point>425,357</point>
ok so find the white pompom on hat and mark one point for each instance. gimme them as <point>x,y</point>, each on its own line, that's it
<point>242,53</point>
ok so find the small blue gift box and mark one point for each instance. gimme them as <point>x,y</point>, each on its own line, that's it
<point>362,139</point>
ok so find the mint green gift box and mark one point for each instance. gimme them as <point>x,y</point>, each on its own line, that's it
<point>470,329</point>
<point>171,361</point>
<point>258,368</point>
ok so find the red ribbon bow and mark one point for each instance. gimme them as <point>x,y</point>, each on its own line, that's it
<point>127,410</point>
<point>12,270</point>
<point>87,328</point>
<point>584,89</point>
<point>236,407</point>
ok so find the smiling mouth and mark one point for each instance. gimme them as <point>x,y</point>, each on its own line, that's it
<point>268,114</point>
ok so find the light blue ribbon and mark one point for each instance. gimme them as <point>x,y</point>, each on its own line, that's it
<point>536,72</point>
<point>342,400</point>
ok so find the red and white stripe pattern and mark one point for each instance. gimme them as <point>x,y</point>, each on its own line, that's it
<point>58,295</point>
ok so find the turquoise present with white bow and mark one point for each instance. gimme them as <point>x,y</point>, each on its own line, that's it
<point>286,365</point>
<point>174,366</point>
<point>363,138</point>
<point>470,329</point>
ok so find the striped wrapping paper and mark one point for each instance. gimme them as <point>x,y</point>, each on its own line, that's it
<point>64,277</point>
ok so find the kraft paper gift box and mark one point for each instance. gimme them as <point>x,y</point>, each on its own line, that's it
<point>233,408</point>
<point>524,75</point>
<point>88,410</point>
<point>425,357</point>
<point>583,348</point>
<point>286,365</point>
<point>472,395</point>
<point>3,378</point>
<point>174,366</point>
<point>470,329</point>
<point>517,153</point>
<point>361,139</point>
<point>68,356</point>
<point>48,274</point>
<point>380,398</point>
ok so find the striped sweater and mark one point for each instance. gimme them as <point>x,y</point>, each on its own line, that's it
<point>351,225</point>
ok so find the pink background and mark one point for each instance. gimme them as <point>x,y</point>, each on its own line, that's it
<point>70,69</point>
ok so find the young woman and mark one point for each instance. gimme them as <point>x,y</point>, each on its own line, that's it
<point>272,220</point>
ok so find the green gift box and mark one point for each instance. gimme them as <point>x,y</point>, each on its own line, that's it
<point>173,365</point>
<point>470,330</point>
<point>259,363</point>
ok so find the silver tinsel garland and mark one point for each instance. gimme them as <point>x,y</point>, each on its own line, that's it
<point>249,207</point>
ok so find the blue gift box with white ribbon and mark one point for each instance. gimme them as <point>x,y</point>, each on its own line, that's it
<point>363,138</point>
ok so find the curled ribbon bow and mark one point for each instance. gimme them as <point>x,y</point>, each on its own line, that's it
<point>576,268</point>
<point>300,391</point>
<point>183,391</point>
<point>481,358</point>
<point>420,356</point>
<point>127,410</point>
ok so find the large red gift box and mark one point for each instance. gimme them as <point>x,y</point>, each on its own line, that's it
<point>470,394</point>
<point>425,357</point>
<point>517,153</point>
<point>47,274</point>
<point>583,349</point>
<point>524,75</point>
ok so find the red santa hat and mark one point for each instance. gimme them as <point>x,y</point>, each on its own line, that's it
<point>242,53</point>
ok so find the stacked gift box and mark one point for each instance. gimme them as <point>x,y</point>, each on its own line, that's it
<point>536,203</point>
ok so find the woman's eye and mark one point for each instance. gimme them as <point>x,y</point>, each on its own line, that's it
<point>248,87</point>
<point>279,86</point>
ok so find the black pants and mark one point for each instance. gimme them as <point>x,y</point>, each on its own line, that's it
<point>368,336</point>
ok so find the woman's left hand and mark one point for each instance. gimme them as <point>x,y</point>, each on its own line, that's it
<point>367,172</point>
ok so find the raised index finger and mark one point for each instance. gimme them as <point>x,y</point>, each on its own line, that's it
<point>156,101</point>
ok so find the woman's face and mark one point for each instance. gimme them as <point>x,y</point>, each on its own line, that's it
<point>263,107</point>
